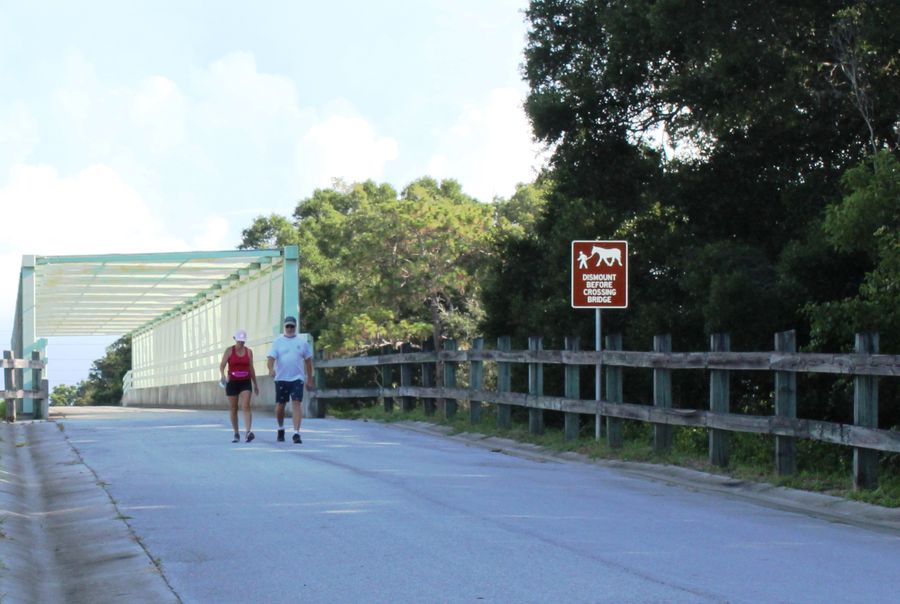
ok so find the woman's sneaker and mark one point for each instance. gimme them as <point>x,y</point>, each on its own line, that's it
<point>250,436</point>
<point>237,438</point>
<point>280,436</point>
<point>297,440</point>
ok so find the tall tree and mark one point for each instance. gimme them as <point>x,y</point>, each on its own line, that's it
<point>104,383</point>
<point>713,136</point>
<point>379,267</point>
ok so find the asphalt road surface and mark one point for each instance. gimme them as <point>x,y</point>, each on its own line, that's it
<point>363,512</point>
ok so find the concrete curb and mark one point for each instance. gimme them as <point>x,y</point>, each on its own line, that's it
<point>64,539</point>
<point>817,505</point>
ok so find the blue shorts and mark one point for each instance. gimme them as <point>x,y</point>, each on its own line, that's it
<point>285,391</point>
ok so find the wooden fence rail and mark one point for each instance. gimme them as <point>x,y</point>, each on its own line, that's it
<point>865,365</point>
<point>798,362</point>
<point>13,376</point>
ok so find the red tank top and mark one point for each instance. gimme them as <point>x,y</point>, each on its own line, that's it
<point>239,366</point>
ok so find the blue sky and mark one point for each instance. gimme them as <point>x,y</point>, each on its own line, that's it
<point>166,126</point>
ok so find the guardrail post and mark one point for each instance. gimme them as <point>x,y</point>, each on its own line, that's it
<point>387,379</point>
<point>573,390</point>
<point>614,394</point>
<point>38,404</point>
<point>785,405</point>
<point>662,395</point>
<point>321,404</point>
<point>476,382</point>
<point>535,387</point>
<point>428,370</point>
<point>450,404</point>
<point>719,401</point>
<point>407,403</point>
<point>865,413</point>
<point>9,378</point>
<point>504,384</point>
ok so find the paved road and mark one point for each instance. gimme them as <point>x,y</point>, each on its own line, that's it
<point>362,512</point>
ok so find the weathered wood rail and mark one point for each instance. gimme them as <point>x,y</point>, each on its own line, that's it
<point>865,365</point>
<point>13,374</point>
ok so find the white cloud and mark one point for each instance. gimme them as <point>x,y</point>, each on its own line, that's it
<point>159,112</point>
<point>343,145</point>
<point>489,148</point>
<point>92,211</point>
<point>233,95</point>
<point>18,133</point>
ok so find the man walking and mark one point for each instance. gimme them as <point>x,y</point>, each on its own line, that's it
<point>290,363</point>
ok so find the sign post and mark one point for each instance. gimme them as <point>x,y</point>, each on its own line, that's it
<point>599,280</point>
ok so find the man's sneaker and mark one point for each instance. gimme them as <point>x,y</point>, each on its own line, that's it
<point>280,436</point>
<point>237,438</point>
<point>297,440</point>
<point>250,436</point>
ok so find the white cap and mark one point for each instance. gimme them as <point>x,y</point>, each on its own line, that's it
<point>240,335</point>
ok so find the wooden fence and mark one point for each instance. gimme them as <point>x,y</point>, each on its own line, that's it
<point>865,365</point>
<point>13,375</point>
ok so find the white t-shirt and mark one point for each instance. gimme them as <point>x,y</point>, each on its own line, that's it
<point>289,354</point>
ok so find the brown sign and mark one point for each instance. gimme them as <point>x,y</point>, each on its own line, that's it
<point>599,274</point>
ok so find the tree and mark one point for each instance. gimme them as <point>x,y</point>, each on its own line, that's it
<point>271,231</point>
<point>867,221</point>
<point>64,395</point>
<point>378,267</point>
<point>104,383</point>
<point>713,136</point>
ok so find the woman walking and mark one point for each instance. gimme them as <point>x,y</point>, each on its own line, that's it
<point>239,382</point>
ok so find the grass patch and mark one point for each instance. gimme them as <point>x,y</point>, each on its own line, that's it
<point>22,443</point>
<point>821,467</point>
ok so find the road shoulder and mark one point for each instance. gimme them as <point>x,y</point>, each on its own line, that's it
<point>63,537</point>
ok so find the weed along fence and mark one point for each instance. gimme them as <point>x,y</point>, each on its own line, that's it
<point>417,374</point>
<point>13,374</point>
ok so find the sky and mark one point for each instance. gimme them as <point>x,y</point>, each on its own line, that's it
<point>170,125</point>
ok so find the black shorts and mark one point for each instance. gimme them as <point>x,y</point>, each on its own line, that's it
<point>235,387</point>
<point>285,391</point>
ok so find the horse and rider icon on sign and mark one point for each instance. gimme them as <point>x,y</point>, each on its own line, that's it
<point>599,274</point>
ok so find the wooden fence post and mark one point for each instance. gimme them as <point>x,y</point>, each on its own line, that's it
<point>662,396</point>
<point>614,438</point>
<point>476,382</point>
<point>785,405</point>
<point>535,387</point>
<point>321,403</point>
<point>37,404</point>
<point>450,404</point>
<point>573,390</point>
<point>9,378</point>
<point>504,384</point>
<point>45,393</point>
<point>865,413</point>
<point>407,403</point>
<point>428,370</point>
<point>387,379</point>
<point>719,395</point>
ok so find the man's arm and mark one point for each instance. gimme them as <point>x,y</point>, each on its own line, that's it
<point>310,376</point>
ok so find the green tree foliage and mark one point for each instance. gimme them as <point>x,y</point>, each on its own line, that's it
<point>104,383</point>
<point>867,220</point>
<point>64,395</point>
<point>378,267</point>
<point>712,136</point>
